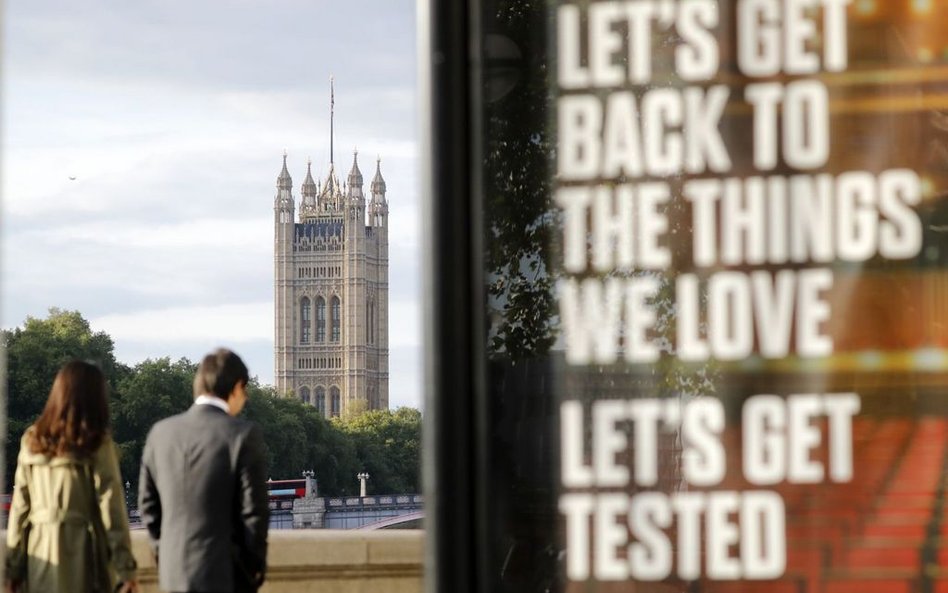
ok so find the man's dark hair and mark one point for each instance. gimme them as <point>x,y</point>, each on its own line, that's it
<point>219,373</point>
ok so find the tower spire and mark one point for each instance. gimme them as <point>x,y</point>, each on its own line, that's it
<point>284,181</point>
<point>378,211</point>
<point>309,207</point>
<point>332,111</point>
<point>355,178</point>
<point>378,183</point>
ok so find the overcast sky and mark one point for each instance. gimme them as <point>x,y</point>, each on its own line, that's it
<point>173,116</point>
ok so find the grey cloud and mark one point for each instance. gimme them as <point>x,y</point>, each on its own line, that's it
<point>268,45</point>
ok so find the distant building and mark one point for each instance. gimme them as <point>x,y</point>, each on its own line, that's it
<point>331,291</point>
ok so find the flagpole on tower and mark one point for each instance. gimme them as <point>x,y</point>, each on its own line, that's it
<point>332,109</point>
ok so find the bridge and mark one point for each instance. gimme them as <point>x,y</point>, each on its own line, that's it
<point>408,521</point>
<point>385,511</point>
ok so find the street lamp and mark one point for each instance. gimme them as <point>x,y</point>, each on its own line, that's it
<point>310,477</point>
<point>363,477</point>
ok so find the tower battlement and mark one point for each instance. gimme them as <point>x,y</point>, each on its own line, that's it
<point>331,291</point>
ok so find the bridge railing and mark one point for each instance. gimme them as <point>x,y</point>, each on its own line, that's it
<point>398,501</point>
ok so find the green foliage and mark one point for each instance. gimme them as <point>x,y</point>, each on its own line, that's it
<point>389,445</point>
<point>520,217</point>
<point>385,444</point>
<point>153,390</point>
<point>34,354</point>
<point>299,439</point>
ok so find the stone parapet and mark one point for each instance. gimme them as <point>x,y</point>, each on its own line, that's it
<point>309,512</point>
<point>326,561</point>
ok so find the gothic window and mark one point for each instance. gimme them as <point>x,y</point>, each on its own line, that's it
<point>304,394</point>
<point>336,319</point>
<point>368,322</point>
<point>305,320</point>
<point>371,323</point>
<point>320,319</point>
<point>336,401</point>
<point>321,401</point>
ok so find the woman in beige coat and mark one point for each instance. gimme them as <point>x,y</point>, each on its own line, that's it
<point>68,527</point>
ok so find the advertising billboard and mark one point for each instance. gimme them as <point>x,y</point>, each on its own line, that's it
<point>711,294</point>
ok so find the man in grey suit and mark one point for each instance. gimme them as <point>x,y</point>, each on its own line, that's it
<point>203,491</point>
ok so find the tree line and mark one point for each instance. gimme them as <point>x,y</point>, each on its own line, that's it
<point>384,443</point>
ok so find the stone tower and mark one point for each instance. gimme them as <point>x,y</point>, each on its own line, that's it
<point>331,291</point>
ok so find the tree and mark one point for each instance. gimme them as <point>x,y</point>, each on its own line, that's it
<point>153,390</point>
<point>519,215</point>
<point>298,438</point>
<point>388,444</point>
<point>35,353</point>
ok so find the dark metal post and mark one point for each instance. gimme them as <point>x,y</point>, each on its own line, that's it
<point>448,50</point>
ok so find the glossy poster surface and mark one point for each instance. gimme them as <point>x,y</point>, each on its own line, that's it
<point>717,238</point>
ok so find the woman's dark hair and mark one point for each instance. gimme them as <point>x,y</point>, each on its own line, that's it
<point>76,416</point>
<point>219,373</point>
